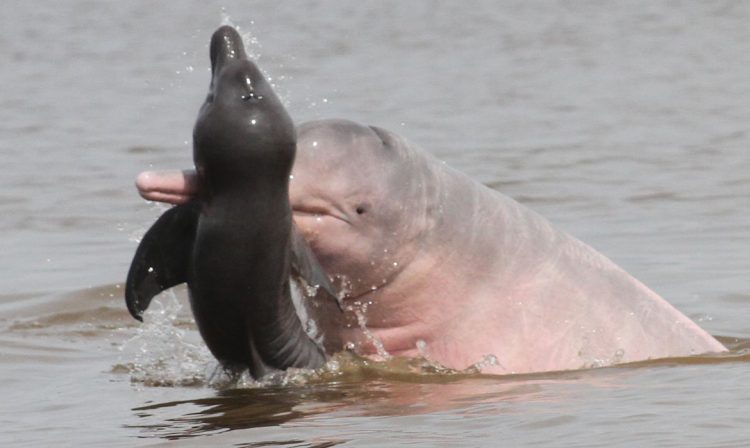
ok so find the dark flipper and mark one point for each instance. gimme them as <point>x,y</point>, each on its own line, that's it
<point>162,258</point>
<point>306,265</point>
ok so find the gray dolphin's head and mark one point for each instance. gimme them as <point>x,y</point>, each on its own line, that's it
<point>363,197</point>
<point>242,130</point>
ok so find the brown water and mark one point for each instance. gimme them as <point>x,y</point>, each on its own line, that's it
<point>625,123</point>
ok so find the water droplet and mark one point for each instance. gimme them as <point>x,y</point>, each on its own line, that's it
<point>189,68</point>
<point>312,327</point>
<point>150,269</point>
<point>395,264</point>
<point>252,122</point>
<point>315,144</point>
<point>291,176</point>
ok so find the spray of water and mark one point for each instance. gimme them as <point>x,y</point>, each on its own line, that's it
<point>163,353</point>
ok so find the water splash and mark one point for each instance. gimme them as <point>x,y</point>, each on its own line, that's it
<point>359,308</point>
<point>343,285</point>
<point>489,360</point>
<point>302,293</point>
<point>161,354</point>
<point>252,45</point>
<point>594,360</point>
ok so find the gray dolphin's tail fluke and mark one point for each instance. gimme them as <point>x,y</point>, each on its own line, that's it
<point>161,260</point>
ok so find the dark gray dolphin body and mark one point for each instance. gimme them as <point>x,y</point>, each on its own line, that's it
<point>235,245</point>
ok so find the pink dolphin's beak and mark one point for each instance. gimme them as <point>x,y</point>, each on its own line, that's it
<point>174,187</point>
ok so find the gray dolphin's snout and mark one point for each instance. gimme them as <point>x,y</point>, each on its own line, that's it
<point>226,44</point>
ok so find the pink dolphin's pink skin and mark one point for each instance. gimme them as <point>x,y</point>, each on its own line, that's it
<point>173,187</point>
<point>434,264</point>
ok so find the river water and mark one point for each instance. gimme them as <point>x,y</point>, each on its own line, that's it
<point>625,123</point>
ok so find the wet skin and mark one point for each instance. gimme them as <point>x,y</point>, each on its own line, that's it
<point>452,270</point>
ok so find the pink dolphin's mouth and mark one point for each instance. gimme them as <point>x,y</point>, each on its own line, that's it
<point>303,211</point>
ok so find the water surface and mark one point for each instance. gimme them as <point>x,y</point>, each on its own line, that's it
<point>624,123</point>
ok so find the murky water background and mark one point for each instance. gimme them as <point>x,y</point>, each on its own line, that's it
<point>625,123</point>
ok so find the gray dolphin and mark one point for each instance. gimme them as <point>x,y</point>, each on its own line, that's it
<point>235,244</point>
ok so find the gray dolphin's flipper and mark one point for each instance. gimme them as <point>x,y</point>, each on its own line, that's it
<point>161,260</point>
<point>306,265</point>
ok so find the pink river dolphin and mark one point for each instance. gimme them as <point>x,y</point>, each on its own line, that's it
<point>434,264</point>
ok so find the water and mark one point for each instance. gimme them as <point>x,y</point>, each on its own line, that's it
<point>625,123</point>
